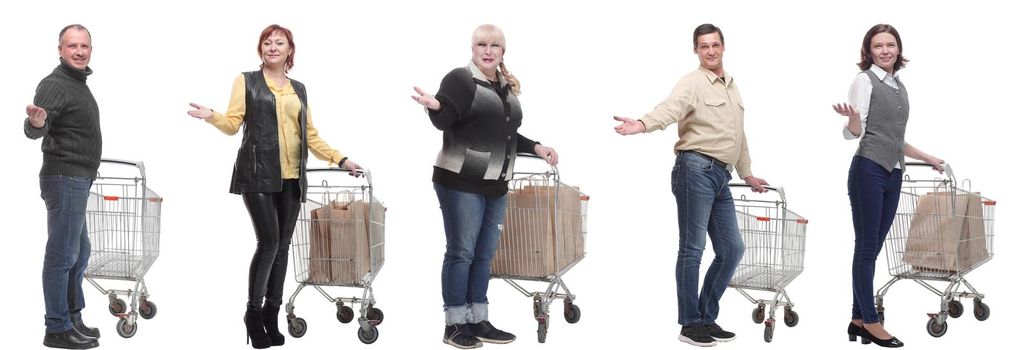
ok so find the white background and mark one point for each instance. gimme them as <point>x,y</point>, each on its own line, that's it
<point>579,63</point>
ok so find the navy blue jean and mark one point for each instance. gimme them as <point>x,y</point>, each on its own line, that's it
<point>67,248</point>
<point>704,204</point>
<point>471,222</point>
<point>874,195</point>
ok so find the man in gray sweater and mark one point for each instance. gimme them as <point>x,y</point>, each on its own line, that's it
<point>65,115</point>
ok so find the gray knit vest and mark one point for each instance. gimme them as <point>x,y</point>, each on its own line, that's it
<point>887,123</point>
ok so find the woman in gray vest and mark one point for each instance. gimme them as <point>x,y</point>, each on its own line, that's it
<point>877,114</point>
<point>269,172</point>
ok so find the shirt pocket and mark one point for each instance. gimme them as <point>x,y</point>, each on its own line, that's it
<point>715,102</point>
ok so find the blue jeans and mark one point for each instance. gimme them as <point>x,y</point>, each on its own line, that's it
<point>471,222</point>
<point>704,204</point>
<point>67,248</point>
<point>874,195</point>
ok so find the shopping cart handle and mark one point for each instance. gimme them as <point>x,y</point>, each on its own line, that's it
<point>945,168</point>
<point>778,189</point>
<point>139,164</point>
<point>361,172</point>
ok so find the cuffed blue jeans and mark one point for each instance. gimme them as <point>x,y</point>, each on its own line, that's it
<point>874,195</point>
<point>471,222</point>
<point>704,205</point>
<point>67,249</point>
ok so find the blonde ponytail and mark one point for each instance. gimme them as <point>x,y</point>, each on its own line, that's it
<point>515,85</point>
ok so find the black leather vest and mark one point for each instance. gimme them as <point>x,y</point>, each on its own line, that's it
<point>257,168</point>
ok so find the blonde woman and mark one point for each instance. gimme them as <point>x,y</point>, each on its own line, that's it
<point>478,111</point>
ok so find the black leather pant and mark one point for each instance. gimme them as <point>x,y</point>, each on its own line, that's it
<point>274,216</point>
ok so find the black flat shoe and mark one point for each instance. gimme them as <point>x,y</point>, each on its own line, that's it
<point>885,343</point>
<point>854,331</point>
<point>69,339</point>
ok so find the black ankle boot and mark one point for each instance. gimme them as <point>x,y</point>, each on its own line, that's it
<point>271,319</point>
<point>256,329</point>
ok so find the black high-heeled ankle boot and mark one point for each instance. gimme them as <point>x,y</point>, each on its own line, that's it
<point>854,331</point>
<point>885,343</point>
<point>271,319</point>
<point>256,328</point>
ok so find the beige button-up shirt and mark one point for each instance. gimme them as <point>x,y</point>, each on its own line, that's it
<point>710,114</point>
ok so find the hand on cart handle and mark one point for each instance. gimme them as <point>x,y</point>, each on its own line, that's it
<point>36,116</point>
<point>757,184</point>
<point>426,99</point>
<point>353,168</point>
<point>547,153</point>
<point>200,111</point>
<point>937,164</point>
<point>628,126</point>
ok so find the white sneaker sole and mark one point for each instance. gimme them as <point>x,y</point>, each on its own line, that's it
<point>451,343</point>
<point>494,341</point>
<point>692,342</point>
<point>723,340</point>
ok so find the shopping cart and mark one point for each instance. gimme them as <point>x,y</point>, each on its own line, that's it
<point>123,219</point>
<point>773,254</point>
<point>543,238</point>
<point>941,233</point>
<point>340,242</point>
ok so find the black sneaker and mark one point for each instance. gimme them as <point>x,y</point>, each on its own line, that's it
<point>489,334</point>
<point>718,333</point>
<point>87,331</point>
<point>696,335</point>
<point>459,335</point>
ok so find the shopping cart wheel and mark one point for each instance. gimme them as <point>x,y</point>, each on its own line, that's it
<point>536,306</point>
<point>790,318</point>
<point>572,313</point>
<point>981,310</point>
<point>770,327</point>
<point>344,314</point>
<point>543,327</point>
<point>117,306</point>
<point>296,327</point>
<point>955,309</point>
<point>881,315</point>
<point>936,328</point>
<point>374,314</point>
<point>369,336</point>
<point>147,310</point>
<point>126,329</point>
<point>758,314</point>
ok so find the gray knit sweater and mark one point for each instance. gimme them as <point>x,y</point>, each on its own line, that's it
<point>72,140</point>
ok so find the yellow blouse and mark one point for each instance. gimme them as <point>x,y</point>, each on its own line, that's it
<point>288,109</point>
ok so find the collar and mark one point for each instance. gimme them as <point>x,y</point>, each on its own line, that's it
<point>74,72</point>
<point>712,77</point>
<point>881,73</point>
<point>477,74</point>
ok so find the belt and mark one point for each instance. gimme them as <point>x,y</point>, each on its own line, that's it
<point>702,155</point>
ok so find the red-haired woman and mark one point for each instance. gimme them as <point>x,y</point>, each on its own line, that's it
<point>269,172</point>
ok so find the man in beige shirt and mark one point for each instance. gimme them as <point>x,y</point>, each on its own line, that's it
<point>707,106</point>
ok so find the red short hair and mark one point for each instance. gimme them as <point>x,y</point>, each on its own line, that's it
<point>276,28</point>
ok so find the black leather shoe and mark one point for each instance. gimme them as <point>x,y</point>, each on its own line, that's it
<point>853,331</point>
<point>69,339</point>
<point>885,343</point>
<point>85,330</point>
